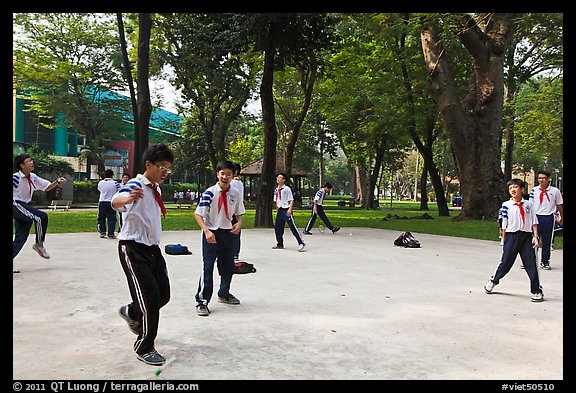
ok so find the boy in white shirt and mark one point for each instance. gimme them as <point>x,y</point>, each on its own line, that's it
<point>547,200</point>
<point>284,204</point>
<point>106,215</point>
<point>140,201</point>
<point>217,205</point>
<point>521,225</point>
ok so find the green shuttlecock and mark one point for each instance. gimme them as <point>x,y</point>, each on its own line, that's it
<point>157,372</point>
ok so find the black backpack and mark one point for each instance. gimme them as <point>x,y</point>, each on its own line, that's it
<point>407,240</point>
<point>244,267</point>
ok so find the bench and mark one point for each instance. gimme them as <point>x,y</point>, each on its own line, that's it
<point>184,201</point>
<point>63,203</point>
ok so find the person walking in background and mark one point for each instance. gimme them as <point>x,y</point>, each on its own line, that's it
<point>106,215</point>
<point>520,222</point>
<point>284,205</point>
<point>237,183</point>
<point>218,204</point>
<point>318,211</point>
<point>547,200</point>
<point>140,200</point>
<point>125,178</point>
<point>24,182</point>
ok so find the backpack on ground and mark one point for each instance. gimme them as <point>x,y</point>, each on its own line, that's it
<point>407,240</point>
<point>176,249</point>
<point>244,267</point>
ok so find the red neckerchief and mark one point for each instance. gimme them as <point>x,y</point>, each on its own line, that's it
<point>542,193</point>
<point>158,198</point>
<point>222,201</point>
<point>30,184</point>
<point>519,204</point>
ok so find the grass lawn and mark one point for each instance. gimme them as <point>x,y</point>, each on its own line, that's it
<point>406,217</point>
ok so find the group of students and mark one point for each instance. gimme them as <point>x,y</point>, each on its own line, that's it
<point>219,215</point>
<point>525,226</point>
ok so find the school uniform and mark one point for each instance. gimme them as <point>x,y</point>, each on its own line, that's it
<point>25,214</point>
<point>545,202</point>
<point>319,198</point>
<point>282,197</point>
<point>517,220</point>
<point>217,207</point>
<point>107,187</point>
<point>237,183</point>
<point>142,260</point>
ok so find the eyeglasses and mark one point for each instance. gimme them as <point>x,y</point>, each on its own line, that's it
<point>163,168</point>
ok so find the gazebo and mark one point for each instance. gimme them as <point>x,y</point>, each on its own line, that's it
<point>251,173</point>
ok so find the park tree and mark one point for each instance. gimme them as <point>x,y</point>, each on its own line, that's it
<point>473,121</point>
<point>539,110</point>
<point>215,70</point>
<point>64,65</point>
<point>536,49</point>
<point>284,39</point>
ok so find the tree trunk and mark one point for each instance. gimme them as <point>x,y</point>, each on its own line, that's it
<point>143,89</point>
<point>361,185</point>
<point>128,74</point>
<point>473,125</point>
<point>266,185</point>
<point>424,188</point>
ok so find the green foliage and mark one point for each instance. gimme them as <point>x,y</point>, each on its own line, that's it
<point>539,128</point>
<point>43,163</point>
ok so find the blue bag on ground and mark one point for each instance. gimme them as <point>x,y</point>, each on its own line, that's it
<point>176,249</point>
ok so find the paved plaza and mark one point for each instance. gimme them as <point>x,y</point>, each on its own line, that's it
<point>351,307</point>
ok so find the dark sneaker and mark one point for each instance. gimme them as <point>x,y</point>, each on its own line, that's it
<point>231,299</point>
<point>307,232</point>
<point>278,247</point>
<point>39,248</point>
<point>152,358</point>
<point>335,229</point>
<point>111,236</point>
<point>545,266</point>
<point>102,235</point>
<point>537,297</point>
<point>202,310</point>
<point>15,269</point>
<point>489,286</point>
<point>133,324</point>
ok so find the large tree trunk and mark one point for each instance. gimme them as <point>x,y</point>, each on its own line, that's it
<point>266,185</point>
<point>143,90</point>
<point>473,124</point>
<point>128,73</point>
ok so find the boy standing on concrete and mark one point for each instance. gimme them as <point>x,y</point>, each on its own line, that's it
<point>217,205</point>
<point>140,200</point>
<point>106,215</point>
<point>284,204</point>
<point>318,210</point>
<point>521,225</point>
<point>547,200</point>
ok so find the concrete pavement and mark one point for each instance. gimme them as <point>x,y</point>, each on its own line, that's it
<point>353,306</point>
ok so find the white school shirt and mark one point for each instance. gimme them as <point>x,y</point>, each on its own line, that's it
<point>547,207</point>
<point>107,187</point>
<point>283,200</point>
<point>319,197</point>
<point>512,218</point>
<point>141,220</point>
<point>208,207</point>
<point>237,183</point>
<point>22,189</point>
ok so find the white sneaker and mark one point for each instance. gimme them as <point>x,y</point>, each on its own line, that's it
<point>301,247</point>
<point>537,297</point>
<point>15,269</point>
<point>489,286</point>
<point>39,248</point>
